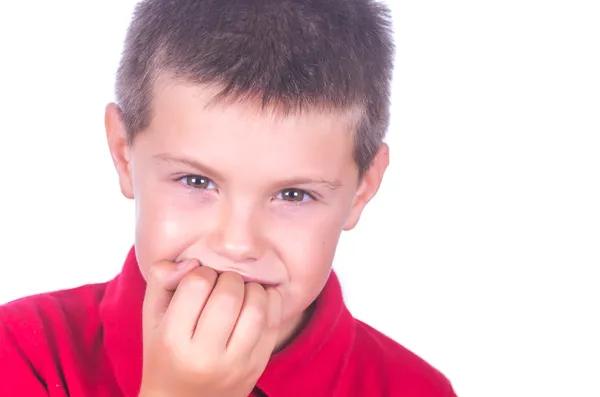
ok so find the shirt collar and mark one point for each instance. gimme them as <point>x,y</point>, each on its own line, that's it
<point>310,365</point>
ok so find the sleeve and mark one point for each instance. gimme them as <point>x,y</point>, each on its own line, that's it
<point>451,391</point>
<point>17,375</point>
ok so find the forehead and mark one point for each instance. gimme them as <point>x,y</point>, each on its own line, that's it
<point>186,120</point>
<point>168,91</point>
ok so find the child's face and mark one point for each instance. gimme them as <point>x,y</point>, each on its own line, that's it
<point>242,190</point>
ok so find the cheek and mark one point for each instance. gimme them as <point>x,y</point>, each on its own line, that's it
<point>307,249</point>
<point>167,222</point>
<point>311,245</point>
<point>308,263</point>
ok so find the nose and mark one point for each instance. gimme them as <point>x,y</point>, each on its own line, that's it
<point>236,235</point>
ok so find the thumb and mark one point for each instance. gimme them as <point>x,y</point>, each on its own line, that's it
<point>162,281</point>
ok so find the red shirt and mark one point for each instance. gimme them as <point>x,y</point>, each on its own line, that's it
<point>87,342</point>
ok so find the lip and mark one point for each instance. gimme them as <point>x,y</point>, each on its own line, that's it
<point>248,279</point>
<point>258,281</point>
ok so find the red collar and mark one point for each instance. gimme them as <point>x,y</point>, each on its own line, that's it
<point>310,366</point>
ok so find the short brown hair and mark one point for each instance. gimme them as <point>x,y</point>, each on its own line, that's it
<point>290,54</point>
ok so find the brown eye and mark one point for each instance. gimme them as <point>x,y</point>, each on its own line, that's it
<point>197,181</point>
<point>294,195</point>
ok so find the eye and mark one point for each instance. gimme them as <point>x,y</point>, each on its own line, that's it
<point>198,182</point>
<point>293,195</point>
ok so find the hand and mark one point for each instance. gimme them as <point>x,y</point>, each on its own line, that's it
<point>204,334</point>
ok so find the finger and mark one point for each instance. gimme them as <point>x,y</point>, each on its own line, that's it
<point>162,280</point>
<point>188,302</point>
<point>250,324</point>
<point>220,313</point>
<point>270,336</point>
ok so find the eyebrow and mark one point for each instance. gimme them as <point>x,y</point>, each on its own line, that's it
<point>196,165</point>
<point>331,185</point>
<point>203,168</point>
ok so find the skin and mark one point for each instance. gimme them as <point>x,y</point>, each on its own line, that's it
<point>253,204</point>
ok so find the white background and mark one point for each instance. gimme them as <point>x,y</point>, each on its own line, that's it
<point>481,253</point>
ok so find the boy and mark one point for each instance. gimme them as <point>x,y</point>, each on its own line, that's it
<point>250,134</point>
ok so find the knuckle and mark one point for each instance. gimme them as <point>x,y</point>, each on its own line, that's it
<point>207,272</point>
<point>256,289</point>
<point>168,340</point>
<point>230,287</point>
<point>202,364</point>
<point>231,277</point>
<point>255,312</point>
<point>157,272</point>
<point>197,280</point>
<point>229,297</point>
<point>256,295</point>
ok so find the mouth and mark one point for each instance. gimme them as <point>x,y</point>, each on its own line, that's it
<point>248,279</point>
<point>261,282</point>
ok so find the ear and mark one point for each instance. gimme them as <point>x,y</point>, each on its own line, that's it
<point>116,134</point>
<point>369,185</point>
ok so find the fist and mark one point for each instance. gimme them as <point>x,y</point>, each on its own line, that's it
<point>205,334</point>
